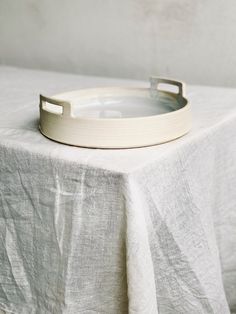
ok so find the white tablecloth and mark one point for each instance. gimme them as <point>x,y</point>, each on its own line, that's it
<point>139,231</point>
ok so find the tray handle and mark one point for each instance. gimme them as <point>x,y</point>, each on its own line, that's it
<point>66,106</point>
<point>155,81</point>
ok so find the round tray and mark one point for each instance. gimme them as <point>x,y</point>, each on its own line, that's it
<point>115,117</point>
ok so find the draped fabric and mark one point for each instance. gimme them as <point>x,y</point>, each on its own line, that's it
<point>139,231</point>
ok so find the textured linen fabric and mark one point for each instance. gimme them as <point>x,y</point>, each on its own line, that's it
<point>139,231</point>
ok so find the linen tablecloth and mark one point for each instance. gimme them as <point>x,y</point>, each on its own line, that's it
<point>140,231</point>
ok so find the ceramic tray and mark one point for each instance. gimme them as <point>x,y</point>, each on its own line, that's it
<point>117,117</point>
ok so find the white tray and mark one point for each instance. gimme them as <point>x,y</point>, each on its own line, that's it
<point>115,117</point>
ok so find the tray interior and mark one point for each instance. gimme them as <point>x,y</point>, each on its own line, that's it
<point>119,105</point>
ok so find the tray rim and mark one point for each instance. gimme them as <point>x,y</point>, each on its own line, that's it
<point>57,99</point>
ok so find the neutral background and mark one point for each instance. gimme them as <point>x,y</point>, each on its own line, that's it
<point>191,40</point>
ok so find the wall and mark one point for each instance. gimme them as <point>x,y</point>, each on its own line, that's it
<point>191,40</point>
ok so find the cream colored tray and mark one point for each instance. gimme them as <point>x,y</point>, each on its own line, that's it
<point>117,117</point>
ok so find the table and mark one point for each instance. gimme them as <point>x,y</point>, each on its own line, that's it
<point>148,230</point>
